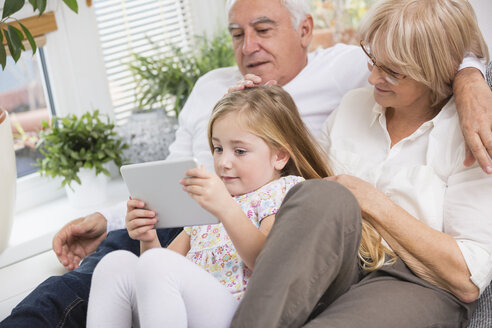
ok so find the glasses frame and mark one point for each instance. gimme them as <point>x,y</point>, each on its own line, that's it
<point>389,75</point>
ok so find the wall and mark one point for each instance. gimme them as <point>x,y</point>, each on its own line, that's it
<point>483,10</point>
<point>208,16</point>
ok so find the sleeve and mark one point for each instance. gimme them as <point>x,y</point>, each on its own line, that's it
<point>115,216</point>
<point>182,146</point>
<point>471,60</point>
<point>188,230</point>
<point>468,218</point>
<point>272,196</point>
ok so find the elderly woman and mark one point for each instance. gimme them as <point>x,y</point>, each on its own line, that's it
<point>397,147</point>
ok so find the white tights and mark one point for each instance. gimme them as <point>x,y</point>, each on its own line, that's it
<point>160,288</point>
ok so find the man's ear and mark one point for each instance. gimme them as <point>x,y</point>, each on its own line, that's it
<point>280,160</point>
<point>306,29</point>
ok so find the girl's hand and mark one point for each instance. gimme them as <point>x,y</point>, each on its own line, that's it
<point>250,80</point>
<point>140,222</point>
<point>208,190</point>
<point>369,198</point>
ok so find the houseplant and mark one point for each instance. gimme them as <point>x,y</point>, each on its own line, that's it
<point>163,84</point>
<point>8,180</point>
<point>76,149</point>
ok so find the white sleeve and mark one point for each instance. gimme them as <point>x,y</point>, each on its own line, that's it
<point>115,216</point>
<point>467,218</point>
<point>471,60</point>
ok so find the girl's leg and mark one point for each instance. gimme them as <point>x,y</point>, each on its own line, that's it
<point>309,259</point>
<point>174,292</point>
<point>112,300</point>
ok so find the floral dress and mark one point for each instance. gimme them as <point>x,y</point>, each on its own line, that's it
<point>211,247</point>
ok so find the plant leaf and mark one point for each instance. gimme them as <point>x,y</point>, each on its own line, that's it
<point>14,43</point>
<point>72,4</point>
<point>29,38</point>
<point>34,4</point>
<point>41,4</point>
<point>3,54</point>
<point>12,6</point>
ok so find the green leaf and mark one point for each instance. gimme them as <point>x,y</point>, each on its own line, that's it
<point>12,6</point>
<point>34,4</point>
<point>14,43</point>
<point>72,4</point>
<point>3,53</point>
<point>29,38</point>
<point>41,4</point>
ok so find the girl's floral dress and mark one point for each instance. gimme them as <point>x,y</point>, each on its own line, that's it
<point>211,247</point>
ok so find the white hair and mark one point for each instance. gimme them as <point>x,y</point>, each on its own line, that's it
<point>298,9</point>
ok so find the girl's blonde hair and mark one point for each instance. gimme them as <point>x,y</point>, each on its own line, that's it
<point>424,40</point>
<point>270,113</point>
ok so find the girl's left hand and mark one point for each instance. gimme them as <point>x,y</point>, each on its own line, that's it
<point>207,189</point>
<point>370,199</point>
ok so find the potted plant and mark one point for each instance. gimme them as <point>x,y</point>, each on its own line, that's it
<point>163,84</point>
<point>77,149</point>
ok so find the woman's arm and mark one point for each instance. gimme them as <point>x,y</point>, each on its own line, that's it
<point>432,255</point>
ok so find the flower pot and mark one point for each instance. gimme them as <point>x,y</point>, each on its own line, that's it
<point>8,179</point>
<point>91,192</point>
<point>149,134</point>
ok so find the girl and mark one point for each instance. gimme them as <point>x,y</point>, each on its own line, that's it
<point>261,149</point>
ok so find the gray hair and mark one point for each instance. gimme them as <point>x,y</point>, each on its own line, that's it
<point>298,9</point>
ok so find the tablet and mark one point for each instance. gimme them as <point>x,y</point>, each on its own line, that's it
<point>157,184</point>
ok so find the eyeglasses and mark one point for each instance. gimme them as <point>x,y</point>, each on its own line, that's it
<point>390,76</point>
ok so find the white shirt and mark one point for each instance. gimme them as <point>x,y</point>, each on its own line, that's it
<point>423,173</point>
<point>317,91</point>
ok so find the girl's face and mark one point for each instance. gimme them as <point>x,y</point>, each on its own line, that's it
<point>243,160</point>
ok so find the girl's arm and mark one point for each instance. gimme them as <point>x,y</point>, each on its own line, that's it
<point>180,244</point>
<point>210,192</point>
<point>432,255</point>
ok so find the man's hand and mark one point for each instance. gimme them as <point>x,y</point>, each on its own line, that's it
<point>474,104</point>
<point>79,238</point>
<point>250,80</point>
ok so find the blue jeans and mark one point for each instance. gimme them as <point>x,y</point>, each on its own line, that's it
<point>61,301</point>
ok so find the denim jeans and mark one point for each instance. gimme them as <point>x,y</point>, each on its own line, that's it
<point>61,301</point>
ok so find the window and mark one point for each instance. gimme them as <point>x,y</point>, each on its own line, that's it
<point>24,93</point>
<point>137,26</point>
<point>337,21</point>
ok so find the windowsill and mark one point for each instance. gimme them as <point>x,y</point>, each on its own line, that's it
<point>33,229</point>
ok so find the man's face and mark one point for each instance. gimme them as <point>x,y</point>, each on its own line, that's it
<point>265,42</point>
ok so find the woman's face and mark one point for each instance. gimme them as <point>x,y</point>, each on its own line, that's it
<point>407,94</point>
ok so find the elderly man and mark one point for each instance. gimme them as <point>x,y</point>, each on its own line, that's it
<point>271,40</point>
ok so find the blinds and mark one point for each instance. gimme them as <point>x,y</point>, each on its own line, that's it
<point>125,27</point>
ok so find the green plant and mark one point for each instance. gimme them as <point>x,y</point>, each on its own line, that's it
<point>13,35</point>
<point>78,142</point>
<point>169,77</point>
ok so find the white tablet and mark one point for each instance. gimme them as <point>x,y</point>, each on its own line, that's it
<point>157,184</point>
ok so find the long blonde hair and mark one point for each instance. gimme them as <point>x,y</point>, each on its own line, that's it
<point>271,114</point>
<point>424,40</point>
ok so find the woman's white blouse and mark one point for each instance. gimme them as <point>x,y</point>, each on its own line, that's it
<point>423,173</point>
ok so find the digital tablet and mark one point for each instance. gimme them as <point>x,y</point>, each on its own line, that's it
<point>157,184</point>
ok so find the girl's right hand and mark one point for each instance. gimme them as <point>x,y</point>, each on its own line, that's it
<point>140,222</point>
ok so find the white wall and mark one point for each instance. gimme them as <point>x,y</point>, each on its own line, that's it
<point>208,16</point>
<point>483,10</point>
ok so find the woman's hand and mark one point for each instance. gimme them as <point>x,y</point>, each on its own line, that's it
<point>140,222</point>
<point>208,190</point>
<point>250,80</point>
<point>369,198</point>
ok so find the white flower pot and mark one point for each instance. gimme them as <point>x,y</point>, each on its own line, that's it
<point>91,192</point>
<point>8,179</point>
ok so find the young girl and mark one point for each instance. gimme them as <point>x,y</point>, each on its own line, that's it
<point>261,149</point>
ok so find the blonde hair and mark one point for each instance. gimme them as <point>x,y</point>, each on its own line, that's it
<point>271,114</point>
<point>424,40</point>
